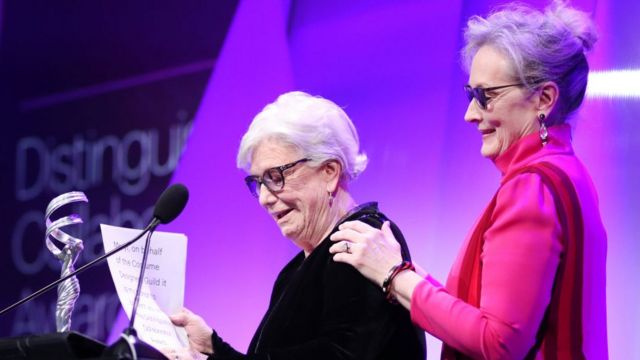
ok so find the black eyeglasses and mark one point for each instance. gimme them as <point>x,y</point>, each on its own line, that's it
<point>480,94</point>
<point>272,178</point>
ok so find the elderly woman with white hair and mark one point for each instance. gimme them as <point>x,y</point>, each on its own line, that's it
<point>301,152</point>
<point>529,281</point>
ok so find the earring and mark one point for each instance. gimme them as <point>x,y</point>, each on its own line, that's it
<point>331,197</point>
<point>544,134</point>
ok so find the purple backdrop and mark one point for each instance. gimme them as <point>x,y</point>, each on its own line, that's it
<point>98,103</point>
<point>394,66</point>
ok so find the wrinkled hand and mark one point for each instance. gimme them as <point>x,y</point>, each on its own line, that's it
<point>371,251</point>
<point>198,331</point>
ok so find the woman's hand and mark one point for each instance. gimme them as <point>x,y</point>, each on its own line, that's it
<point>198,332</point>
<point>371,251</point>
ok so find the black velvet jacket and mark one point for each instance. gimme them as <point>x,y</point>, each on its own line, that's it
<point>322,309</point>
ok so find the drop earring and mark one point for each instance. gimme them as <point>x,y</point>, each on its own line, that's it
<point>544,134</point>
<point>331,197</point>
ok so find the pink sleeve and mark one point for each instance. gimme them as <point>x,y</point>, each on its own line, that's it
<point>520,256</point>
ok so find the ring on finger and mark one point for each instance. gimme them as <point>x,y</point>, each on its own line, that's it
<point>347,247</point>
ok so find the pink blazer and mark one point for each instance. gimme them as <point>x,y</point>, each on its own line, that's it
<point>521,252</point>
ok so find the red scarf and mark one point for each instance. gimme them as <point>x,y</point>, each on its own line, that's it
<point>560,334</point>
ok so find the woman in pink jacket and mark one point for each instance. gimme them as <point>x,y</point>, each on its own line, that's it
<point>529,281</point>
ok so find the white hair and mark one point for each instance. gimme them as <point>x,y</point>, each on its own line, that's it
<point>541,46</point>
<point>317,126</point>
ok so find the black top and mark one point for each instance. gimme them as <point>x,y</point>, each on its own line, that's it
<point>322,309</point>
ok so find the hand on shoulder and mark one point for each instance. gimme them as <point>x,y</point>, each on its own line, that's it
<point>371,251</point>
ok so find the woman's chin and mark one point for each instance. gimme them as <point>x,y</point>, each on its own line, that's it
<point>489,151</point>
<point>288,232</point>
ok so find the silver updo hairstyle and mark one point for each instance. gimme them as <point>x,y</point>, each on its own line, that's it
<point>542,46</point>
<point>316,126</point>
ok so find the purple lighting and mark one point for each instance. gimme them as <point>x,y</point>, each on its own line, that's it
<point>614,84</point>
<point>394,66</point>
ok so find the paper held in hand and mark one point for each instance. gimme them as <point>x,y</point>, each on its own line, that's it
<point>163,287</point>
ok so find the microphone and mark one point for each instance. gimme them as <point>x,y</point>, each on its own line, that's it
<point>170,204</point>
<point>129,346</point>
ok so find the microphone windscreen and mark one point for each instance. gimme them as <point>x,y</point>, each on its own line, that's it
<point>171,203</point>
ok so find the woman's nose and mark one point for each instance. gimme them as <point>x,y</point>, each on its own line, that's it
<point>265,196</point>
<point>473,113</point>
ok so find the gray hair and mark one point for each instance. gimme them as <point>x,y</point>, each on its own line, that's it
<point>542,46</point>
<point>316,126</point>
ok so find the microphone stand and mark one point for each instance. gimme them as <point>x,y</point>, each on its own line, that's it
<point>129,346</point>
<point>152,225</point>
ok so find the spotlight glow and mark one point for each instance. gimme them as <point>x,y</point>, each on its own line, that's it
<point>614,84</point>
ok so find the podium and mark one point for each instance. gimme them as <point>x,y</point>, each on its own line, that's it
<point>54,346</point>
<point>74,346</point>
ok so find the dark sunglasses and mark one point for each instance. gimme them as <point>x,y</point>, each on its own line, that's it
<point>272,178</point>
<point>480,94</point>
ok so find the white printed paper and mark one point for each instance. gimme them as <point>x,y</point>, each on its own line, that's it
<point>163,287</point>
